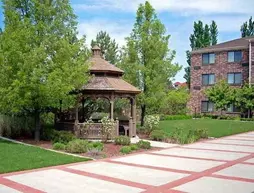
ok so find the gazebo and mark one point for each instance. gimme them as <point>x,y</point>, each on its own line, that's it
<point>106,82</point>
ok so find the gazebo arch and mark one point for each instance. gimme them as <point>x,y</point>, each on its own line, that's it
<point>107,82</point>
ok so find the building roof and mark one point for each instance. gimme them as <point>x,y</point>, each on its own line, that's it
<point>104,83</point>
<point>99,64</point>
<point>237,44</point>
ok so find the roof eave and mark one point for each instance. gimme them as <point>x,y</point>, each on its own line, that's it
<point>219,49</point>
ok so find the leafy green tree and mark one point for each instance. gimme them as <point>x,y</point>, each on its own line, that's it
<point>108,46</point>
<point>221,94</point>
<point>42,58</point>
<point>247,29</point>
<point>245,98</point>
<point>147,60</point>
<point>175,102</point>
<point>202,36</point>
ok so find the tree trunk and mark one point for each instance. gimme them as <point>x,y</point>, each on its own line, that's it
<point>248,113</point>
<point>143,114</point>
<point>37,126</point>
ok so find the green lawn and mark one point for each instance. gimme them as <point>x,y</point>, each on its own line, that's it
<point>216,128</point>
<point>16,157</point>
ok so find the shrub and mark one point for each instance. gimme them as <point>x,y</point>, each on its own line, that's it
<point>58,146</point>
<point>63,137</point>
<point>77,146</point>
<point>122,140</point>
<point>157,135</point>
<point>247,119</point>
<point>125,149</point>
<point>177,117</point>
<point>48,133</point>
<point>151,123</point>
<point>144,144</point>
<point>95,146</point>
<point>202,133</point>
<point>134,147</point>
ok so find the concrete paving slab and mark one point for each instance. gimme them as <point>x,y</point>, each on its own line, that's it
<point>240,138</point>
<point>130,173</point>
<point>221,147</point>
<point>239,170</point>
<point>170,162</point>
<point>208,154</point>
<point>55,181</point>
<point>212,185</point>
<point>250,160</point>
<point>224,141</point>
<point>6,189</point>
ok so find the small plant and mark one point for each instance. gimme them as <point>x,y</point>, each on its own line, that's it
<point>157,135</point>
<point>122,140</point>
<point>95,146</point>
<point>58,146</point>
<point>108,128</point>
<point>77,146</point>
<point>134,147</point>
<point>151,123</point>
<point>125,149</point>
<point>144,144</point>
<point>202,133</point>
<point>63,137</point>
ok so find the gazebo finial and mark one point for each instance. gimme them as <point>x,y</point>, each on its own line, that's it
<point>96,51</point>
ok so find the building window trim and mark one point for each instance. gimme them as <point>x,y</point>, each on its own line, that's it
<point>209,106</point>
<point>209,58</point>
<point>209,78</point>
<point>231,108</point>
<point>235,58</point>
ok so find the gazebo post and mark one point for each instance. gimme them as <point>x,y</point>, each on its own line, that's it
<point>112,108</point>
<point>133,115</point>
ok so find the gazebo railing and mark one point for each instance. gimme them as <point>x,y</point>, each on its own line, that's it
<point>94,130</point>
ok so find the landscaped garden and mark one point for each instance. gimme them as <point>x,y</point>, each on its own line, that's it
<point>17,157</point>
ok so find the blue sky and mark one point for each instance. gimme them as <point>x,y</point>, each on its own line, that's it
<point>118,16</point>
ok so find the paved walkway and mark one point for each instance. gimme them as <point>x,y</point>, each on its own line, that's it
<point>223,165</point>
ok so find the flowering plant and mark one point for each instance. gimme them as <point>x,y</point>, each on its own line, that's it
<point>108,127</point>
<point>151,123</point>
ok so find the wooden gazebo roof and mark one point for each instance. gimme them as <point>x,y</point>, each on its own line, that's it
<point>106,77</point>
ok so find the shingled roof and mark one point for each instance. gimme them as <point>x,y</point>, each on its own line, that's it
<point>99,64</point>
<point>106,76</point>
<point>237,44</point>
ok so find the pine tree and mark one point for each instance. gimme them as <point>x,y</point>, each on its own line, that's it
<point>147,59</point>
<point>108,46</point>
<point>42,58</point>
<point>247,29</point>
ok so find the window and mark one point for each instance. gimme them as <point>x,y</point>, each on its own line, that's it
<point>208,79</point>
<point>208,58</point>
<point>235,78</point>
<point>232,108</point>
<point>234,56</point>
<point>207,106</point>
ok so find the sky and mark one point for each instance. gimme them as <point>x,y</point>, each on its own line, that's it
<point>118,16</point>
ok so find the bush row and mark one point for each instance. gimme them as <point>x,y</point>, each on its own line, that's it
<point>133,147</point>
<point>175,117</point>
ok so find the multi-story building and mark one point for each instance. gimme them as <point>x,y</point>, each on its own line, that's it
<point>228,61</point>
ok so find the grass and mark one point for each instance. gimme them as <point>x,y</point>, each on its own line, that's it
<point>216,128</point>
<point>17,157</point>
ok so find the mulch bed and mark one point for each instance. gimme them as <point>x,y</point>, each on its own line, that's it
<point>110,149</point>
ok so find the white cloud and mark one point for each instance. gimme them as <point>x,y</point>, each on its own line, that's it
<point>118,30</point>
<point>184,7</point>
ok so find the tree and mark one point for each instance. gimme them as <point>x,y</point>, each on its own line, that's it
<point>42,58</point>
<point>147,59</point>
<point>247,29</point>
<point>221,94</point>
<point>202,36</point>
<point>245,98</point>
<point>108,46</point>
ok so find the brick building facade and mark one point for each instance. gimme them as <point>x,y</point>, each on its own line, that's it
<point>227,61</point>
